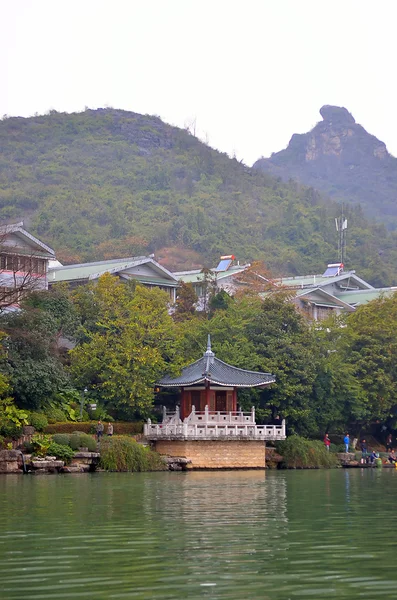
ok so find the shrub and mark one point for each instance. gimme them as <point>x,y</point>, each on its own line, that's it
<point>78,439</point>
<point>28,447</point>
<point>41,443</point>
<point>8,429</point>
<point>60,451</point>
<point>87,441</point>
<point>122,453</point>
<point>55,415</point>
<point>74,441</point>
<point>2,442</point>
<point>38,421</point>
<point>128,428</point>
<point>120,428</point>
<point>299,452</point>
<point>337,448</point>
<point>62,439</point>
<point>70,427</point>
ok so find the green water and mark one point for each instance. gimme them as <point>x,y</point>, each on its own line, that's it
<point>244,535</point>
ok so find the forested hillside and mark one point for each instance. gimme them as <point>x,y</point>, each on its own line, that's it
<point>108,183</point>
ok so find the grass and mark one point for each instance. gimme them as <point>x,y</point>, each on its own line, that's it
<point>122,453</point>
<point>301,453</point>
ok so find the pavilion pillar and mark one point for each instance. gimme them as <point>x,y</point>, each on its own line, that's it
<point>184,398</point>
<point>207,394</point>
<point>234,409</point>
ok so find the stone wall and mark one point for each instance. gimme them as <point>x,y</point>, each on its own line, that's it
<point>230,454</point>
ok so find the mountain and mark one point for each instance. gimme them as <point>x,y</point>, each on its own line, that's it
<point>339,158</point>
<point>108,183</point>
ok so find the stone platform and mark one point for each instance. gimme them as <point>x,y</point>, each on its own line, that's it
<point>215,454</point>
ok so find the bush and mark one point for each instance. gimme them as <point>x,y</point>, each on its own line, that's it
<point>62,439</point>
<point>70,427</point>
<point>28,447</point>
<point>120,428</point>
<point>55,415</point>
<point>8,429</point>
<point>60,451</point>
<point>122,453</point>
<point>87,441</point>
<point>337,448</point>
<point>2,442</point>
<point>41,443</point>
<point>38,421</point>
<point>74,441</point>
<point>79,439</point>
<point>300,453</point>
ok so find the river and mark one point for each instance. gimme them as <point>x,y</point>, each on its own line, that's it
<point>272,535</point>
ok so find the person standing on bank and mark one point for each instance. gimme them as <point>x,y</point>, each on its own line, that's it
<point>389,442</point>
<point>327,442</point>
<point>110,429</point>
<point>99,431</point>
<point>346,441</point>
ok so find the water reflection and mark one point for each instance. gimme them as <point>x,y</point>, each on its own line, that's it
<point>211,535</point>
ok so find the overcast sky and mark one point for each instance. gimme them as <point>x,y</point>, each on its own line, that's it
<point>250,73</point>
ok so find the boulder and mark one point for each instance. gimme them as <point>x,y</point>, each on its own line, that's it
<point>11,461</point>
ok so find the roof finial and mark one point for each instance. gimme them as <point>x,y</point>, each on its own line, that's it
<point>209,350</point>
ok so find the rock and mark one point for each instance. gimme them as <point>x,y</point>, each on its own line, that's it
<point>341,159</point>
<point>11,461</point>
<point>87,455</point>
<point>47,464</point>
<point>336,114</point>
<point>77,468</point>
<point>28,430</point>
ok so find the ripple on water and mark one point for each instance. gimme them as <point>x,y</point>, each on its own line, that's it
<point>244,535</point>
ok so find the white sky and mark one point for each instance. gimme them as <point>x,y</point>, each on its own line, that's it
<point>251,73</point>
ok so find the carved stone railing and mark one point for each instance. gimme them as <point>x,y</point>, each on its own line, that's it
<point>172,417</point>
<point>230,418</point>
<point>205,431</point>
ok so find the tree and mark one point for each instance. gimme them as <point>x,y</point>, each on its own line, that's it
<point>185,305</point>
<point>31,357</point>
<point>370,339</point>
<point>283,342</point>
<point>127,347</point>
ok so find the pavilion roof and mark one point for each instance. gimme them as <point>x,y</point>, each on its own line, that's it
<point>210,369</point>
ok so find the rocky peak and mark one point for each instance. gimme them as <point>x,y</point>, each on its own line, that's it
<point>339,157</point>
<point>336,114</point>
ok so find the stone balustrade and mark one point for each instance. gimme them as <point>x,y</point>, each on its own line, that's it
<point>214,430</point>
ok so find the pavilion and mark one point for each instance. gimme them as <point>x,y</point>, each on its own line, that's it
<point>211,382</point>
<point>208,413</point>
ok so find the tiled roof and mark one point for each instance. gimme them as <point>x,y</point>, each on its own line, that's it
<point>93,270</point>
<point>214,371</point>
<point>363,296</point>
<point>197,275</point>
<point>307,281</point>
<point>18,230</point>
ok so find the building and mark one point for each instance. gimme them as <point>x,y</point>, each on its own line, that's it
<point>24,263</point>
<point>208,429</point>
<point>143,269</point>
<point>335,291</point>
<point>222,277</point>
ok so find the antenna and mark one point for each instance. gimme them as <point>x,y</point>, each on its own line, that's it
<point>341,228</point>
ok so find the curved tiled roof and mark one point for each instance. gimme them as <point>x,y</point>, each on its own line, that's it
<point>212,370</point>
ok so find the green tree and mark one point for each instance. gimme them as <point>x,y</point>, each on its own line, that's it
<point>370,340</point>
<point>185,305</point>
<point>282,339</point>
<point>31,357</point>
<point>127,347</point>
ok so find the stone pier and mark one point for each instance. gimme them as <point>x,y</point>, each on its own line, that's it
<point>216,454</point>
